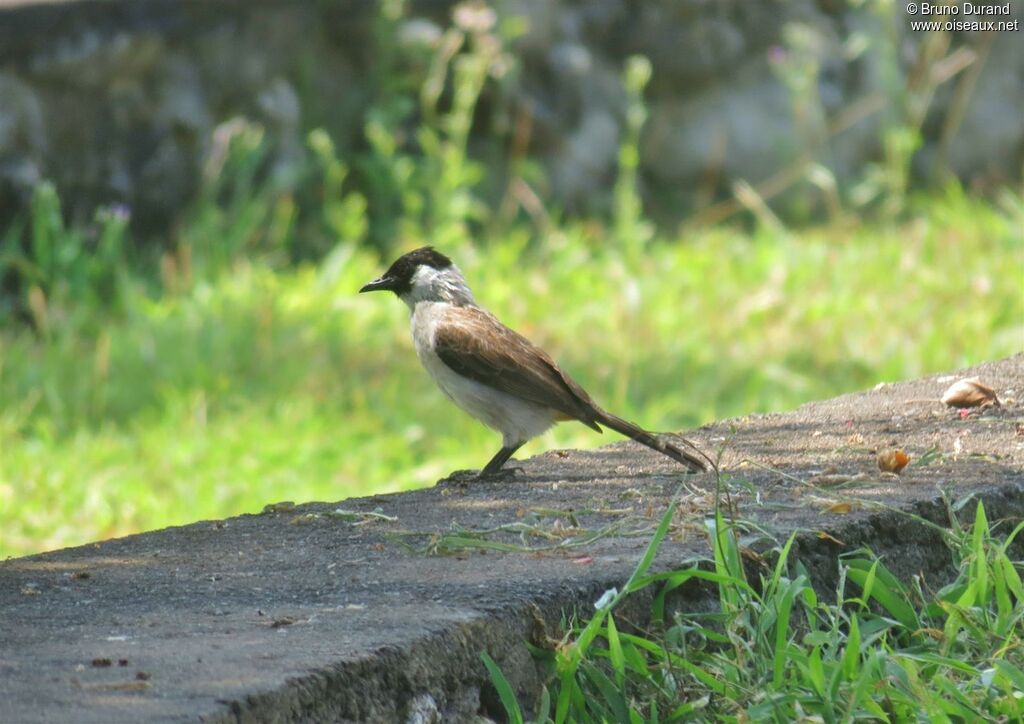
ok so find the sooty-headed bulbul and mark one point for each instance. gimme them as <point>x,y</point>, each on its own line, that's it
<point>496,375</point>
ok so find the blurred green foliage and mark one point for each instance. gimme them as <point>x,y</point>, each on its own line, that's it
<point>238,367</point>
<point>267,383</point>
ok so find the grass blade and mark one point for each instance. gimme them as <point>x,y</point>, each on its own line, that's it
<point>979,564</point>
<point>634,582</point>
<point>505,693</point>
<point>615,652</point>
<point>885,588</point>
<point>851,655</point>
<point>610,694</point>
<point>566,689</point>
<point>544,707</point>
<point>784,606</point>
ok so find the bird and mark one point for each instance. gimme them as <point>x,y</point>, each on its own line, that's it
<point>494,373</point>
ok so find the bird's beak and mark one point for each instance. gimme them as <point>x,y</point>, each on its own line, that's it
<point>380,284</point>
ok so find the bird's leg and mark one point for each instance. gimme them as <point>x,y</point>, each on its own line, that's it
<point>498,460</point>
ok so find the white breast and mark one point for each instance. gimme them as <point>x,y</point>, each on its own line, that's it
<point>516,419</point>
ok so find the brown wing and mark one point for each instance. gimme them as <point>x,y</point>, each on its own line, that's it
<point>476,345</point>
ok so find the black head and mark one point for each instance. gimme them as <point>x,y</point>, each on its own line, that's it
<point>398,277</point>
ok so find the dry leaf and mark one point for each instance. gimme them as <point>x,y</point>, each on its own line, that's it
<point>839,508</point>
<point>970,393</point>
<point>830,538</point>
<point>892,461</point>
<point>826,481</point>
<point>751,554</point>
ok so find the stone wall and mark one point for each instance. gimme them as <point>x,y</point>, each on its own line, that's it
<point>117,101</point>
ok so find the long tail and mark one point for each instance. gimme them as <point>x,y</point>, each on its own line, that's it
<point>666,444</point>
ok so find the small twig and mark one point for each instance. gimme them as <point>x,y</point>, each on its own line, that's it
<point>770,469</point>
<point>359,517</point>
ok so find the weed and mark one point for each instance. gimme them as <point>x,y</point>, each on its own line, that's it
<point>776,652</point>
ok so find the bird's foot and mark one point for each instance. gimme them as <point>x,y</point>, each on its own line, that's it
<point>459,476</point>
<point>462,478</point>
<point>499,476</point>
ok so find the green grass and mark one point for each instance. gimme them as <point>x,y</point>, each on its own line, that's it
<point>262,384</point>
<point>773,651</point>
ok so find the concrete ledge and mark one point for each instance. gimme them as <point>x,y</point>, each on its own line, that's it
<point>305,614</point>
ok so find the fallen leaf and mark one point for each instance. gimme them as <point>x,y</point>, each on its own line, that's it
<point>751,554</point>
<point>828,480</point>
<point>839,508</point>
<point>830,538</point>
<point>892,461</point>
<point>970,392</point>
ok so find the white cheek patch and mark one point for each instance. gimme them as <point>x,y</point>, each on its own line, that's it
<point>423,285</point>
<point>428,284</point>
<point>425,277</point>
